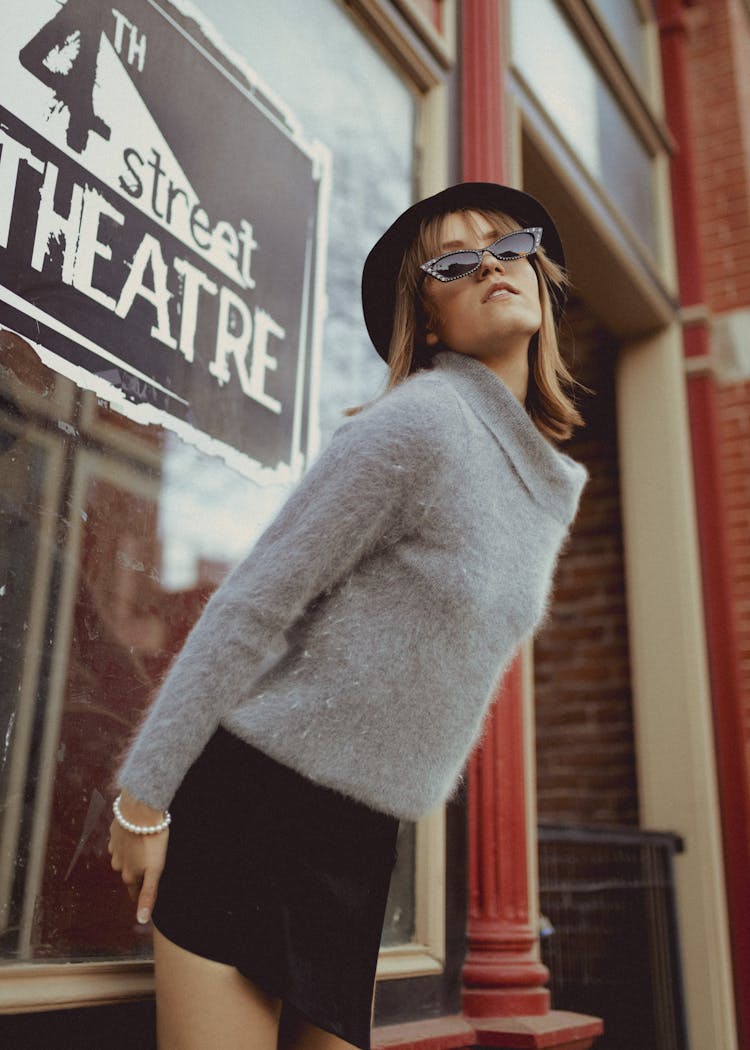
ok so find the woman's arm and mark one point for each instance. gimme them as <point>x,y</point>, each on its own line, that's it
<point>368,485</point>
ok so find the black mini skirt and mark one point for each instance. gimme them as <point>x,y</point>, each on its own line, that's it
<point>283,879</point>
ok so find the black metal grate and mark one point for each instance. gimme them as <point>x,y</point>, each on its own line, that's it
<point>612,945</point>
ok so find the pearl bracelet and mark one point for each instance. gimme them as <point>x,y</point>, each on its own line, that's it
<point>140,829</point>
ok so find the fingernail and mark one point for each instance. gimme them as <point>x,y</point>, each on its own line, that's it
<point>143,916</point>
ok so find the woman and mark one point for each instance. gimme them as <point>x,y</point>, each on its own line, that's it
<point>338,679</point>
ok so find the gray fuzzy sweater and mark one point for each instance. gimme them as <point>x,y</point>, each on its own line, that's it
<point>361,640</point>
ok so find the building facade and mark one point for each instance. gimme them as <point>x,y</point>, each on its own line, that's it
<point>187,194</point>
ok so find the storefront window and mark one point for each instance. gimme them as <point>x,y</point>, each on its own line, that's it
<point>559,73</point>
<point>127,496</point>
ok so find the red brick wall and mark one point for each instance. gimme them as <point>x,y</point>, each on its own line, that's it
<point>585,749</point>
<point>734,402</point>
<point>719,86</point>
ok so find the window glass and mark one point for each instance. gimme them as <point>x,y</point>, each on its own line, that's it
<point>400,913</point>
<point>115,532</point>
<point>560,74</point>
<point>346,95</point>
<point>623,21</point>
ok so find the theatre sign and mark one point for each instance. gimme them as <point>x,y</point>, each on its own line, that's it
<point>162,225</point>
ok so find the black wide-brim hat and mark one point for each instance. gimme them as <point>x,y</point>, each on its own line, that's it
<point>382,266</point>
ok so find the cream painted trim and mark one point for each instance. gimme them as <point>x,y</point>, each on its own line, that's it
<point>442,45</point>
<point>730,346</point>
<point>705,365</point>
<point>432,129</point>
<point>513,112</point>
<point>426,953</point>
<point>653,62</point>
<point>669,667</point>
<point>665,250</point>
<point>31,988</point>
<point>11,807</point>
<point>696,313</point>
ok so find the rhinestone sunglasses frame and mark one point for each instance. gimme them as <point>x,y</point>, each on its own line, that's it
<point>535,231</point>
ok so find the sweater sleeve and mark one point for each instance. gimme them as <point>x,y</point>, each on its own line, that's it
<point>364,489</point>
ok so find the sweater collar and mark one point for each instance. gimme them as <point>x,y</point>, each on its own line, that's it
<point>554,479</point>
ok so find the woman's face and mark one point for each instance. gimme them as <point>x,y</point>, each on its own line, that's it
<point>492,313</point>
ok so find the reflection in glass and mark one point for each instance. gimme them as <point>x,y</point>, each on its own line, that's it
<point>352,100</point>
<point>400,913</point>
<point>208,517</point>
<point>562,76</point>
<point>117,571</point>
<point>116,629</point>
<point>29,466</point>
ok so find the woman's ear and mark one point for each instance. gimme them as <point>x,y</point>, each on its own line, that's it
<point>431,337</point>
<point>425,323</point>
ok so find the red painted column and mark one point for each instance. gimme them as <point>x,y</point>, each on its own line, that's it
<point>504,993</point>
<point>482,145</point>
<point>732,763</point>
<point>502,974</point>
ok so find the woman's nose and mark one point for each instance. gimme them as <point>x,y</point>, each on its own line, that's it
<point>490,263</point>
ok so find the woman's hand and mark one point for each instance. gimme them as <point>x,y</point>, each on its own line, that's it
<point>140,858</point>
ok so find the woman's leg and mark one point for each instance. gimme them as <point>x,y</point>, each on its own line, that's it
<point>201,1003</point>
<point>304,1035</point>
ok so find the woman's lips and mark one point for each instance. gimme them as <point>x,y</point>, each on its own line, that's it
<point>499,290</point>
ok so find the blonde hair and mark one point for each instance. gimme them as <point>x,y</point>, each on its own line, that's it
<point>547,402</point>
